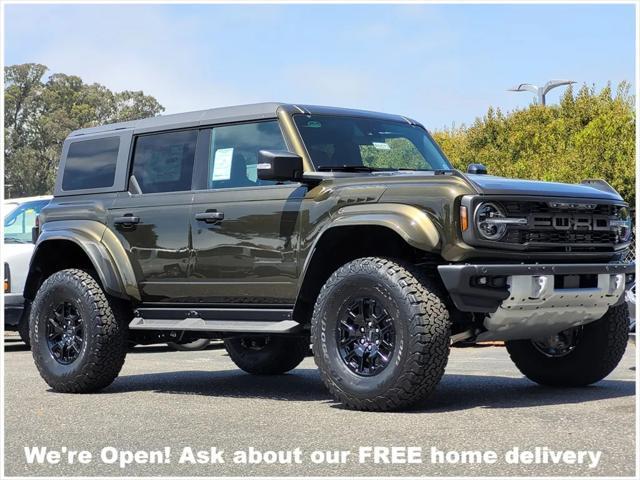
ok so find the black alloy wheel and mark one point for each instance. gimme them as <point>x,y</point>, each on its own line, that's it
<point>65,333</point>
<point>366,336</point>
<point>560,344</point>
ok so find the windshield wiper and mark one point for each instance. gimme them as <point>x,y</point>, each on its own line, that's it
<point>355,168</point>
<point>436,171</point>
<point>346,168</point>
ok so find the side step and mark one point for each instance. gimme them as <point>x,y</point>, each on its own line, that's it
<point>215,320</point>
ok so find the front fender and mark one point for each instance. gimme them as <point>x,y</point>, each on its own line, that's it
<point>105,252</point>
<point>411,223</point>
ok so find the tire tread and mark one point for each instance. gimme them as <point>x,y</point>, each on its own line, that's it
<point>428,326</point>
<point>106,350</point>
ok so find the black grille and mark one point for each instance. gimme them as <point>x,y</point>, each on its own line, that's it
<point>524,208</point>
<point>546,234</point>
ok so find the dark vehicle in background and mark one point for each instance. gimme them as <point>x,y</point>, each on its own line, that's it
<point>272,226</point>
<point>17,247</point>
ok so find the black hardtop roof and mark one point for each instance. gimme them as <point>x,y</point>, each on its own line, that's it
<point>239,113</point>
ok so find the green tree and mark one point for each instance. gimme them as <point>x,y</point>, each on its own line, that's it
<point>40,113</point>
<point>589,134</point>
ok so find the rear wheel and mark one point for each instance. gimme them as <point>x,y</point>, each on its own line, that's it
<point>380,334</point>
<point>576,357</point>
<point>267,354</point>
<point>199,344</point>
<point>78,343</point>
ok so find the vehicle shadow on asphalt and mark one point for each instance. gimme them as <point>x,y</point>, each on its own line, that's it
<point>455,392</point>
<point>141,349</point>
<point>301,384</point>
<point>462,392</point>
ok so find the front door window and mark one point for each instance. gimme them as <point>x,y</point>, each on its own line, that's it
<point>233,153</point>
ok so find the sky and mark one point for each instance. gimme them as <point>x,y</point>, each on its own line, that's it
<point>442,64</point>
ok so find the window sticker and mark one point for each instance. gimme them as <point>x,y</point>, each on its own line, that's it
<point>222,164</point>
<point>381,145</point>
<point>313,124</point>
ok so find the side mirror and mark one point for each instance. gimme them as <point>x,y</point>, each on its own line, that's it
<point>477,169</point>
<point>279,165</point>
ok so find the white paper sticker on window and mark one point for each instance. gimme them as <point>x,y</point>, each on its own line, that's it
<point>381,146</point>
<point>222,164</point>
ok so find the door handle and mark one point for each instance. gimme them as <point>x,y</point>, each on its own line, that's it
<point>210,216</point>
<point>126,221</point>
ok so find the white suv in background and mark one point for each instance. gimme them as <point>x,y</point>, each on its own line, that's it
<point>17,247</point>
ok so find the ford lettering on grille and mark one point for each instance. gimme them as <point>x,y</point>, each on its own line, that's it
<point>563,221</point>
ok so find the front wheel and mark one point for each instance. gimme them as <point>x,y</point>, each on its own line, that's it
<point>576,357</point>
<point>77,341</point>
<point>380,333</point>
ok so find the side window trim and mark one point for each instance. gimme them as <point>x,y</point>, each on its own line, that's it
<point>201,166</point>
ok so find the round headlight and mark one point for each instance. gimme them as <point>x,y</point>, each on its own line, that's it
<point>624,225</point>
<point>485,215</point>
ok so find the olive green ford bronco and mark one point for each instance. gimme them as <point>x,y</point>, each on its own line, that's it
<point>276,226</point>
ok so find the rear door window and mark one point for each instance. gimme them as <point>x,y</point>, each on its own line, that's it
<point>163,162</point>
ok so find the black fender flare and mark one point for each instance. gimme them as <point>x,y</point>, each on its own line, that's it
<point>412,224</point>
<point>100,245</point>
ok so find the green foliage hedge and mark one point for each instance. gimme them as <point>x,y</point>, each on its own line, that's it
<point>39,114</point>
<point>589,134</point>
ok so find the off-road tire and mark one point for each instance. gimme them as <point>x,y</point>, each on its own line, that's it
<point>598,351</point>
<point>422,330</point>
<point>105,338</point>
<point>279,355</point>
<point>23,327</point>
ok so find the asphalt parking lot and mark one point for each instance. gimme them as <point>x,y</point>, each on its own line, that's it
<point>200,400</point>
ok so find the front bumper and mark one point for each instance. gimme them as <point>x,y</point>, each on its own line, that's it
<point>13,308</point>
<point>535,301</point>
<point>468,296</point>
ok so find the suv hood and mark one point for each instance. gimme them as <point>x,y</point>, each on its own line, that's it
<point>492,185</point>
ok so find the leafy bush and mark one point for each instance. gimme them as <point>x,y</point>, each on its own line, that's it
<point>589,134</point>
<point>39,114</point>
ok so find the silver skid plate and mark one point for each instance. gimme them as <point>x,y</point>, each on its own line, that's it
<point>536,309</point>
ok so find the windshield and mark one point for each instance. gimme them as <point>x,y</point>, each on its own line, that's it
<point>19,221</point>
<point>356,143</point>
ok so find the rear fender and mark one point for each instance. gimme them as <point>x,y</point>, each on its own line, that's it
<point>101,246</point>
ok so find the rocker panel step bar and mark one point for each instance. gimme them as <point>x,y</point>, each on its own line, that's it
<point>215,320</point>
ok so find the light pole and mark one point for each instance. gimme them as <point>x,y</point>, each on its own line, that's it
<point>540,92</point>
